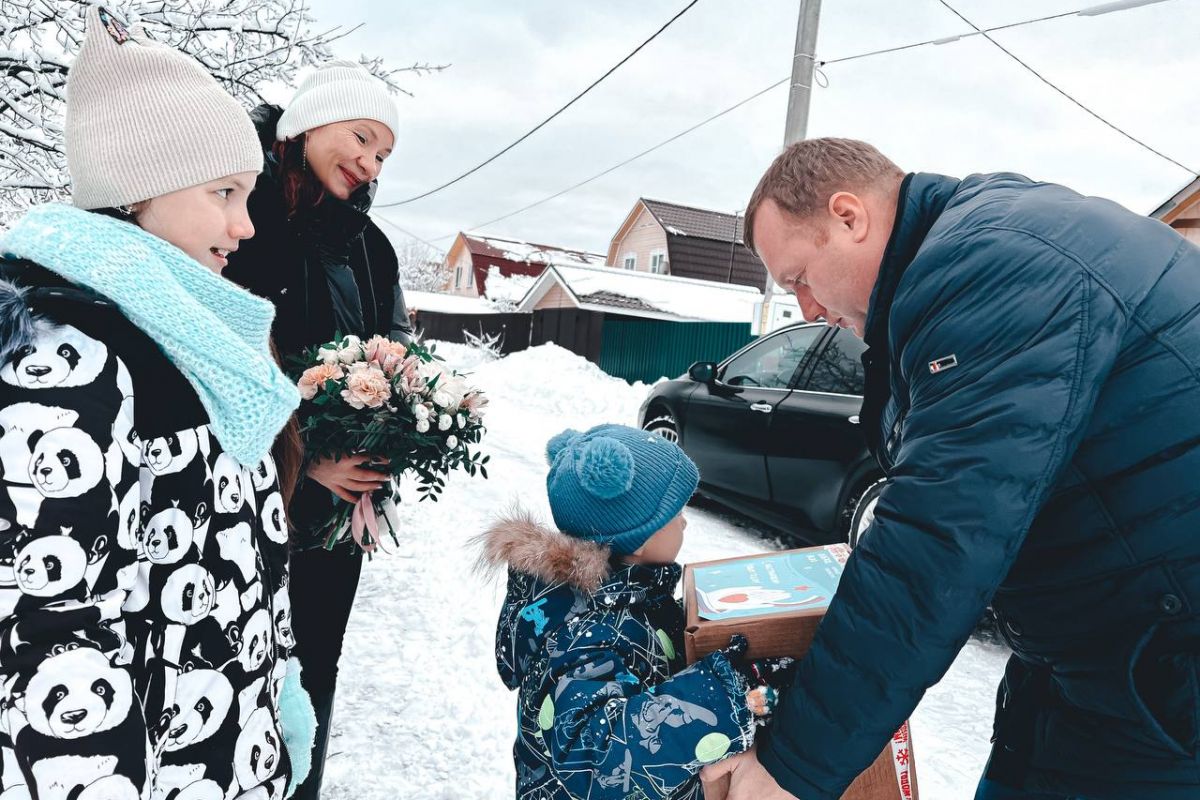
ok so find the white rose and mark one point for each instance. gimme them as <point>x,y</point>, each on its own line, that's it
<point>328,355</point>
<point>420,411</point>
<point>430,370</point>
<point>452,442</point>
<point>422,426</point>
<point>444,422</point>
<point>455,386</point>
<point>442,399</point>
<point>351,350</point>
<point>462,420</point>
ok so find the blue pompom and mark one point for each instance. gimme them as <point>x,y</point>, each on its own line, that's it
<point>605,468</point>
<point>560,442</point>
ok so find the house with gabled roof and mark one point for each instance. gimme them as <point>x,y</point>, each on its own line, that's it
<point>687,242</point>
<point>471,257</point>
<point>1182,211</point>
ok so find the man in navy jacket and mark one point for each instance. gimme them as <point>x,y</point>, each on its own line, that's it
<point>1033,393</point>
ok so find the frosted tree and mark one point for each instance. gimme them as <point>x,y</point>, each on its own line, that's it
<point>246,44</point>
<point>422,269</point>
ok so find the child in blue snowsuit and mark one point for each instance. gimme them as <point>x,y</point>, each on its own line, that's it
<point>592,636</point>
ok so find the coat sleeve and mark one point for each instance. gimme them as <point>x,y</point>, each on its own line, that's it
<point>612,734</point>
<point>402,329</point>
<point>69,710</point>
<point>982,443</point>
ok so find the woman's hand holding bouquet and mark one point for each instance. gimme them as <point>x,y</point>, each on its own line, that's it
<point>374,410</point>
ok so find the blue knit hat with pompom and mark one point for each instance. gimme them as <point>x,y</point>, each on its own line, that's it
<point>617,485</point>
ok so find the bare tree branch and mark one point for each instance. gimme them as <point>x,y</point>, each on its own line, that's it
<point>245,44</point>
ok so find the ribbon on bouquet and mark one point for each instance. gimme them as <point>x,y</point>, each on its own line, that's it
<point>362,518</point>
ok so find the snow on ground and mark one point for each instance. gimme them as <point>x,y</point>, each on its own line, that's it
<point>421,713</point>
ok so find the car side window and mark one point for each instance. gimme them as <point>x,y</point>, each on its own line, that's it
<point>839,370</point>
<point>770,363</point>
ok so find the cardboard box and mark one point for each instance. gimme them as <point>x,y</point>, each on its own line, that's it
<point>777,600</point>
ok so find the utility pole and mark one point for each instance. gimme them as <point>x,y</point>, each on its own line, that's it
<point>802,72</point>
<point>803,64</point>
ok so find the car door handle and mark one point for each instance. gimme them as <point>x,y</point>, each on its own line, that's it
<point>852,420</point>
<point>764,408</point>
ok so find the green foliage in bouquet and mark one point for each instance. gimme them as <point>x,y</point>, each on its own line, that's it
<point>393,401</point>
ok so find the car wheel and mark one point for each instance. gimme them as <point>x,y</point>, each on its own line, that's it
<point>864,511</point>
<point>665,426</point>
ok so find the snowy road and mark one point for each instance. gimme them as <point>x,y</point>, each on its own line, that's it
<point>421,713</point>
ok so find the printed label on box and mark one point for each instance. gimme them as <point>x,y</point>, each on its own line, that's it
<point>769,584</point>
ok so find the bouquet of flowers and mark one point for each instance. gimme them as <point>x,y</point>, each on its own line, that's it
<point>394,401</point>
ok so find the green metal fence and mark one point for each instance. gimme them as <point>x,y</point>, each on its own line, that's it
<point>646,349</point>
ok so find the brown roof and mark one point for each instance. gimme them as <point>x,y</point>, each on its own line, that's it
<point>618,301</point>
<point>688,221</point>
<point>528,252</point>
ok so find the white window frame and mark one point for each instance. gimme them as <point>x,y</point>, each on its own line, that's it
<point>470,277</point>
<point>661,267</point>
<point>627,258</point>
<point>458,277</point>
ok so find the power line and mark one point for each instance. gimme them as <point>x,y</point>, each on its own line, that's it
<point>407,233</point>
<point>1088,11</point>
<point>544,122</point>
<point>629,160</point>
<point>1062,92</point>
<point>946,39</point>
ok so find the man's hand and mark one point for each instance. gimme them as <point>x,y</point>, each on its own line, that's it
<point>747,779</point>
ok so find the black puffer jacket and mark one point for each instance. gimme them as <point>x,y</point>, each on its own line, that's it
<point>288,262</point>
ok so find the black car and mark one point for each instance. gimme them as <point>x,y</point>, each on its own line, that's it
<point>775,432</point>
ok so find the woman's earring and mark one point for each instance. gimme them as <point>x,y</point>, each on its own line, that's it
<point>125,211</point>
<point>304,156</point>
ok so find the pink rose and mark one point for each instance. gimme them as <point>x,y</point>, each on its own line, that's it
<point>366,388</point>
<point>314,378</point>
<point>474,404</point>
<point>381,349</point>
<point>412,379</point>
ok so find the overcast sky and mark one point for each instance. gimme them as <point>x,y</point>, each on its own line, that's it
<point>954,108</point>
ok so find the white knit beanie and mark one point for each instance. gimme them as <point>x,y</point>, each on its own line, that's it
<point>144,120</point>
<point>336,92</point>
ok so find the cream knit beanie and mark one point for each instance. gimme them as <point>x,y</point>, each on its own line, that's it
<point>336,92</point>
<point>144,120</point>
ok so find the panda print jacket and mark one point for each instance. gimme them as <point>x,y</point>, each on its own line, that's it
<point>144,617</point>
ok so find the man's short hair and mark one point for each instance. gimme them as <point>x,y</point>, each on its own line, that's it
<point>805,175</point>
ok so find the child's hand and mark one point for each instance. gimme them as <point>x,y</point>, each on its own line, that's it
<point>767,678</point>
<point>761,700</point>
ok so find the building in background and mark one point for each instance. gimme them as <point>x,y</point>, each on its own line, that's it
<point>670,239</point>
<point>1182,211</point>
<point>471,257</point>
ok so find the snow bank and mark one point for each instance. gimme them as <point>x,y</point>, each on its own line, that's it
<point>443,303</point>
<point>421,713</point>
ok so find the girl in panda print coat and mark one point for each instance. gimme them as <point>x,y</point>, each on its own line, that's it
<point>144,616</point>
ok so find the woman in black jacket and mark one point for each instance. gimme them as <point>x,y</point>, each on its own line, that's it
<point>330,271</point>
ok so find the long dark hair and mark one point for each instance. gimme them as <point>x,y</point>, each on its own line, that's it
<point>301,188</point>
<point>288,450</point>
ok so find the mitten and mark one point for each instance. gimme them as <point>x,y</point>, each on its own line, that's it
<point>767,678</point>
<point>298,722</point>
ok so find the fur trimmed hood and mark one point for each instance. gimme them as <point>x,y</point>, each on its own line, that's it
<point>556,580</point>
<point>16,320</point>
<point>520,542</point>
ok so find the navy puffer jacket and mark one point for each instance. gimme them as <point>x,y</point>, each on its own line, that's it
<point>1051,466</point>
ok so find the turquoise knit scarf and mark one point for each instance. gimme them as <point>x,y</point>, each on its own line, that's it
<point>215,332</point>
